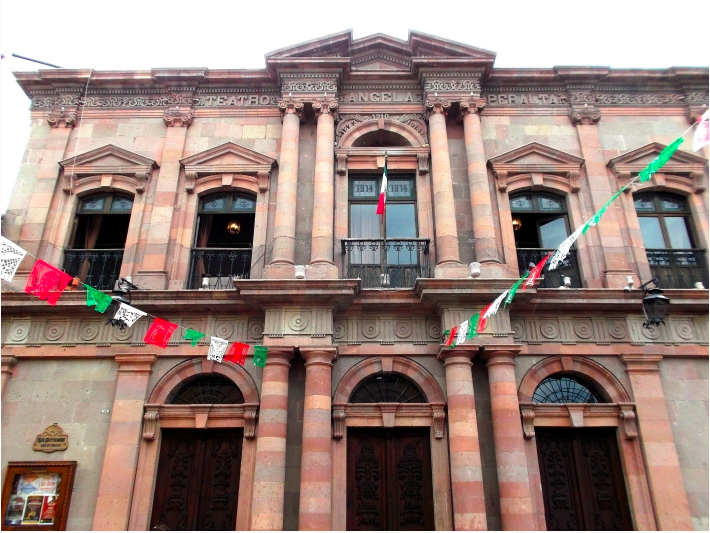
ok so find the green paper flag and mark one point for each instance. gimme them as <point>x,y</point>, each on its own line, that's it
<point>193,336</point>
<point>473,326</point>
<point>661,160</point>
<point>98,299</point>
<point>598,215</point>
<point>514,289</point>
<point>260,353</point>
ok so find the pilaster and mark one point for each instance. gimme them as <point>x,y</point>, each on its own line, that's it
<point>8,365</point>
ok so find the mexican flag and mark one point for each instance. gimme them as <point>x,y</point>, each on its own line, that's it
<point>383,192</point>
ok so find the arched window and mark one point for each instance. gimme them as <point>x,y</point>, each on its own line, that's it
<point>389,388</point>
<point>210,389</point>
<point>540,224</point>
<point>98,239</point>
<point>560,388</point>
<point>664,219</point>
<point>223,240</point>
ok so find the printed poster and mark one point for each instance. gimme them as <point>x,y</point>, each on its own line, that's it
<point>49,510</point>
<point>33,508</point>
<point>14,510</point>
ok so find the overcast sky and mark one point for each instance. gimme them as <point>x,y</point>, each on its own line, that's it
<point>135,35</point>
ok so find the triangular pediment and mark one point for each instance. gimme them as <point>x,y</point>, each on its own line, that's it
<point>636,160</point>
<point>335,45</point>
<point>108,159</point>
<point>228,158</point>
<point>536,156</point>
<point>425,45</point>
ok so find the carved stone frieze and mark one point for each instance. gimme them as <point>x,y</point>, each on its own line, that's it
<point>61,118</point>
<point>299,321</point>
<point>174,116</point>
<point>385,329</point>
<point>234,98</point>
<point>309,86</point>
<point>473,84</point>
<point>348,121</point>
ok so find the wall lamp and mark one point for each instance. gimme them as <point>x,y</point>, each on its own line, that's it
<point>655,305</point>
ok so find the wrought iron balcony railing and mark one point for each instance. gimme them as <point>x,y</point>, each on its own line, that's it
<point>98,268</point>
<point>529,257</point>
<point>214,268</point>
<point>386,263</point>
<point>678,269</point>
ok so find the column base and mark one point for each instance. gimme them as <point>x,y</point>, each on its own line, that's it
<point>616,279</point>
<point>152,280</point>
<point>321,271</point>
<point>451,270</point>
<point>497,271</point>
<point>280,271</point>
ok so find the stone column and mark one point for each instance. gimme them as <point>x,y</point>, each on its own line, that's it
<point>516,507</point>
<point>316,461</point>
<point>447,240</point>
<point>480,190</point>
<point>322,265</point>
<point>270,467</point>
<point>8,364</point>
<point>663,467</point>
<point>113,503</point>
<point>283,252</point>
<point>466,472</point>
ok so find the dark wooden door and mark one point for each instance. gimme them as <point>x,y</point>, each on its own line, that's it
<point>582,480</point>
<point>198,480</point>
<point>389,486</point>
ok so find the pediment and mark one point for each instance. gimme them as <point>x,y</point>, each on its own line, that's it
<point>108,159</point>
<point>636,160</point>
<point>228,158</point>
<point>536,157</point>
<point>381,60</point>
<point>335,45</point>
<point>425,45</point>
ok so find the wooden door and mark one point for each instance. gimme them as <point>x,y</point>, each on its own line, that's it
<point>197,487</point>
<point>582,480</point>
<point>389,485</point>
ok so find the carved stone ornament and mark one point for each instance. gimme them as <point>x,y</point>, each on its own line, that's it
<point>291,106</point>
<point>452,85</point>
<point>250,416</point>
<point>113,101</point>
<point>328,107</point>
<point>338,421</point>
<point>475,105</point>
<point>415,121</point>
<point>439,416</point>
<point>174,116</point>
<point>309,86</point>
<point>61,119</point>
<point>52,439</point>
<point>528,415</point>
<point>434,106</point>
<point>628,419</point>
<point>151,423</point>
<point>585,115</point>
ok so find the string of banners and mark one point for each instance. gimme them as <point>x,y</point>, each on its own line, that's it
<point>48,283</point>
<point>477,323</point>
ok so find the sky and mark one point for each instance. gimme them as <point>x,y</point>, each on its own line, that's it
<point>139,35</point>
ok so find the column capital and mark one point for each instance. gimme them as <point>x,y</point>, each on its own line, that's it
<point>319,355</point>
<point>137,363</point>
<point>471,106</point>
<point>8,363</point>
<point>61,118</point>
<point>504,354</point>
<point>635,363</point>
<point>290,106</point>
<point>436,106</point>
<point>324,106</point>
<point>279,355</point>
<point>584,115</point>
<point>180,117</point>
<point>460,355</point>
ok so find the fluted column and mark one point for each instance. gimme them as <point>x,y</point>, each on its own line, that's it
<point>286,196</point>
<point>466,472</point>
<point>316,461</point>
<point>516,507</point>
<point>668,492</point>
<point>481,203</point>
<point>270,465</point>
<point>323,186</point>
<point>8,364</point>
<point>447,241</point>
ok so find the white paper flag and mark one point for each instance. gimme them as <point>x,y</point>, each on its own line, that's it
<point>493,309</point>
<point>701,137</point>
<point>11,256</point>
<point>218,347</point>
<point>462,332</point>
<point>128,314</point>
<point>563,249</point>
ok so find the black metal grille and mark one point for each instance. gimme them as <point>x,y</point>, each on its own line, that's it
<point>386,263</point>
<point>214,268</point>
<point>98,268</point>
<point>529,257</point>
<point>211,389</point>
<point>387,389</point>
<point>678,269</point>
<point>564,389</point>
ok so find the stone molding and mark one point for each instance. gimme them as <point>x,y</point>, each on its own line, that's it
<point>135,363</point>
<point>578,415</point>
<point>200,417</point>
<point>174,116</point>
<point>635,363</point>
<point>388,415</point>
<point>349,122</point>
<point>385,329</point>
<point>8,363</point>
<point>61,118</point>
<point>319,355</point>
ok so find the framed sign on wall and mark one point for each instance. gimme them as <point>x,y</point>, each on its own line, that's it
<point>37,494</point>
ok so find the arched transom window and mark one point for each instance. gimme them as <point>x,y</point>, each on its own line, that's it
<point>210,389</point>
<point>565,389</point>
<point>390,388</point>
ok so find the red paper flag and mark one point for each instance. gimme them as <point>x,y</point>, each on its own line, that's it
<point>452,336</point>
<point>46,282</point>
<point>482,321</point>
<point>536,271</point>
<point>159,333</point>
<point>237,353</point>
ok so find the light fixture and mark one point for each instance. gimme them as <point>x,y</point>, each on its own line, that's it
<point>517,223</point>
<point>474,269</point>
<point>122,295</point>
<point>655,305</point>
<point>234,227</point>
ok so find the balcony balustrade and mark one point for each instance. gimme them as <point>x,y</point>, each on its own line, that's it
<point>386,263</point>
<point>98,268</point>
<point>214,268</point>
<point>678,269</point>
<point>529,257</point>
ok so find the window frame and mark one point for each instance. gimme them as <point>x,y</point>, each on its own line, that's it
<point>536,210</point>
<point>660,214</point>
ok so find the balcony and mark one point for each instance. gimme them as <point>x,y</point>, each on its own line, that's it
<point>678,269</point>
<point>98,268</point>
<point>550,280</point>
<point>386,263</point>
<point>214,268</point>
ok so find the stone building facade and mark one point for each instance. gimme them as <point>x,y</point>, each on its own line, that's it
<point>241,203</point>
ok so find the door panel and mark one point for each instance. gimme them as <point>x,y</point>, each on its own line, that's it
<point>389,480</point>
<point>198,480</point>
<point>582,480</point>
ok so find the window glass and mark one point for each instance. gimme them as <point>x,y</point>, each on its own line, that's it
<point>243,205</point>
<point>651,232</point>
<point>401,223</point>
<point>678,232</point>
<point>672,203</point>
<point>365,224</point>
<point>521,203</point>
<point>549,204</point>
<point>400,188</point>
<point>366,188</point>
<point>121,204</point>
<point>94,204</point>
<point>214,204</point>
<point>644,203</point>
<point>552,233</point>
